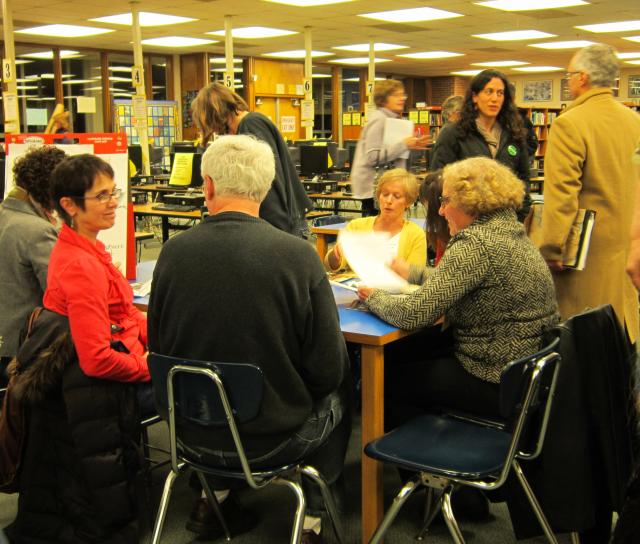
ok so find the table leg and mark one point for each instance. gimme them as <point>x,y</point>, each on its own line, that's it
<point>321,246</point>
<point>372,427</point>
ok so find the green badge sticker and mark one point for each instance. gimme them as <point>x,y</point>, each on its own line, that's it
<point>512,150</point>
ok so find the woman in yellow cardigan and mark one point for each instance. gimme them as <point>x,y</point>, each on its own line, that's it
<point>396,191</point>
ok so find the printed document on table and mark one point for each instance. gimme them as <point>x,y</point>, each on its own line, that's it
<point>396,130</point>
<point>368,257</point>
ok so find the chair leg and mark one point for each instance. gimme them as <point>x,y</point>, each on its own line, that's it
<point>328,500</point>
<point>534,503</point>
<point>213,501</point>
<point>398,503</point>
<point>164,504</point>
<point>431,510</point>
<point>449,518</point>
<point>575,538</point>
<point>298,520</point>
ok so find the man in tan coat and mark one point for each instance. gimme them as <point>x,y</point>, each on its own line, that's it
<point>588,165</point>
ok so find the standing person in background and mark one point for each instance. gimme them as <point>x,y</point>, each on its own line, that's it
<point>451,108</point>
<point>588,164</point>
<point>27,236</point>
<point>489,126</point>
<point>371,154</point>
<point>219,110</point>
<point>436,226</point>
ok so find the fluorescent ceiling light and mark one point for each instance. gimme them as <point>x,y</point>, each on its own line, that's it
<point>254,32</point>
<point>48,76</point>
<point>320,76</point>
<point>364,47</point>
<point>430,55</point>
<point>118,78</point>
<point>77,81</point>
<point>26,87</point>
<point>222,60</point>
<point>466,73</point>
<point>177,41</point>
<point>412,15</point>
<point>22,61</point>
<point>354,79</point>
<point>296,54</point>
<point>357,61</point>
<point>93,88</point>
<point>628,55</point>
<point>145,18</point>
<point>632,61</point>
<point>621,26</point>
<point>120,68</point>
<point>632,38</point>
<point>528,5</point>
<point>500,63</point>
<point>514,35</point>
<point>571,44</point>
<point>308,3</point>
<point>64,31</point>
<point>538,69</point>
<point>64,54</point>
<point>221,70</point>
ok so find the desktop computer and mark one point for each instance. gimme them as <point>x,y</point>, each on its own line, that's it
<point>314,160</point>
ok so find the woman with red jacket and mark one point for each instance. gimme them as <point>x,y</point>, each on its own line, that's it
<point>109,333</point>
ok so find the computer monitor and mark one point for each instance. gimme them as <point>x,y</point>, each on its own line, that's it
<point>183,147</point>
<point>135,156</point>
<point>314,160</point>
<point>196,174</point>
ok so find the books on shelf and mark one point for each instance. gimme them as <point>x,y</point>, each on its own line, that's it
<point>576,247</point>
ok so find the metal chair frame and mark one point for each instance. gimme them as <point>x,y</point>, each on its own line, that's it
<point>287,475</point>
<point>447,482</point>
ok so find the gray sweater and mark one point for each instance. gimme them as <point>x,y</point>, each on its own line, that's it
<point>494,289</point>
<point>26,241</point>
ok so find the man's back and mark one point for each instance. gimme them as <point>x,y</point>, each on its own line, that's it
<point>236,289</point>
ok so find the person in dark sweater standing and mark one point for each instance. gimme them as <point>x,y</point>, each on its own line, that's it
<point>219,110</point>
<point>257,295</point>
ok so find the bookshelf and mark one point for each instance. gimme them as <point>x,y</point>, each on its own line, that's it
<point>542,119</point>
<point>428,120</point>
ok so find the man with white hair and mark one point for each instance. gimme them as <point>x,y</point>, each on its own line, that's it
<point>588,165</point>
<point>236,289</point>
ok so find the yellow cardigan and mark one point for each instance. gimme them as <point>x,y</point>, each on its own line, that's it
<point>412,246</point>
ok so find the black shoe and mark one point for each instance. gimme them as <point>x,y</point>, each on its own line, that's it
<point>204,522</point>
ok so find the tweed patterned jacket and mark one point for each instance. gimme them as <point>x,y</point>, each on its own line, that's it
<point>494,289</point>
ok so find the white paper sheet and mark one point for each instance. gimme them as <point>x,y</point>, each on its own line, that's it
<point>367,255</point>
<point>396,130</point>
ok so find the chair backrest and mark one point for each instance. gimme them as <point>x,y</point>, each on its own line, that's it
<point>526,393</point>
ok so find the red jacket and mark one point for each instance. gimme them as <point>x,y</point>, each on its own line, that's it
<point>84,285</point>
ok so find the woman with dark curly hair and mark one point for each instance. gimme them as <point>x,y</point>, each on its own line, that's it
<point>27,236</point>
<point>490,126</point>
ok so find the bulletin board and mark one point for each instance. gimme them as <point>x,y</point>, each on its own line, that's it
<point>162,122</point>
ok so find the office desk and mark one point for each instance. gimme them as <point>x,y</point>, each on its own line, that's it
<point>146,210</point>
<point>372,334</point>
<point>159,188</point>
<point>323,232</point>
<point>337,197</point>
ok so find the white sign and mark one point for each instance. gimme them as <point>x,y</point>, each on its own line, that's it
<point>288,123</point>
<point>139,104</point>
<point>279,88</point>
<point>299,89</point>
<point>86,104</point>
<point>307,110</point>
<point>7,70</point>
<point>369,109</point>
<point>10,101</point>
<point>137,76</point>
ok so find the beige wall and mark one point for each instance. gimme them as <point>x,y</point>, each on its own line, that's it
<point>557,77</point>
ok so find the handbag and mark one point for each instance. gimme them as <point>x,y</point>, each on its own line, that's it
<point>13,426</point>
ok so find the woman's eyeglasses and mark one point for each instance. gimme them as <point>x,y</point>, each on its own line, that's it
<point>103,198</point>
<point>444,200</point>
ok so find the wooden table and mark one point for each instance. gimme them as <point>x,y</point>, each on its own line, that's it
<point>372,334</point>
<point>146,210</point>
<point>337,197</point>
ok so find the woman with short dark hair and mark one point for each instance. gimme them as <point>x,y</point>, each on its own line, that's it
<point>489,126</point>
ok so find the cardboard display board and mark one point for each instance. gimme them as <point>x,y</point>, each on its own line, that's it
<point>118,240</point>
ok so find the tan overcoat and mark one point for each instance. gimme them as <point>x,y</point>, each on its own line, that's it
<point>588,164</point>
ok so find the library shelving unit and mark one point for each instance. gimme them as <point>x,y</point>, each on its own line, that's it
<point>428,120</point>
<point>542,119</point>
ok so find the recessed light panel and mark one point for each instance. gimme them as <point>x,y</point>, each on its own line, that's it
<point>64,54</point>
<point>177,41</point>
<point>528,5</point>
<point>514,35</point>
<point>364,47</point>
<point>320,76</point>
<point>466,73</point>
<point>500,63</point>
<point>64,31</point>
<point>412,15</point>
<point>236,69</point>
<point>629,55</point>
<point>296,54</point>
<point>357,61</point>
<point>632,61</point>
<point>538,69</point>
<point>308,3</point>
<point>222,60</point>
<point>254,32</point>
<point>430,55</point>
<point>632,38</point>
<point>145,18</point>
<point>620,26</point>
<point>571,44</point>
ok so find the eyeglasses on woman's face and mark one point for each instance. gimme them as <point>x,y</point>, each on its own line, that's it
<point>104,197</point>
<point>444,200</point>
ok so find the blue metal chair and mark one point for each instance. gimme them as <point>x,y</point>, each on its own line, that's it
<point>209,397</point>
<point>448,451</point>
